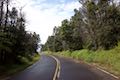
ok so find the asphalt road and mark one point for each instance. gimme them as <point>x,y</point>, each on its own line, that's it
<point>72,70</point>
<point>44,69</point>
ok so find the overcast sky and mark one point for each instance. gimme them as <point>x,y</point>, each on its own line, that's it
<point>43,15</point>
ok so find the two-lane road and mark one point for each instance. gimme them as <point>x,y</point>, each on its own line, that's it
<point>45,69</point>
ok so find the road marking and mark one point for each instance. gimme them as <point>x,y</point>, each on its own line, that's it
<point>58,75</point>
<point>100,68</point>
<point>57,71</point>
<point>107,73</point>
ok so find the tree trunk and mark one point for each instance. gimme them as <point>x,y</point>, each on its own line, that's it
<point>7,11</point>
<point>1,15</point>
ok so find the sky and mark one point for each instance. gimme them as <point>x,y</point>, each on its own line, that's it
<point>43,15</point>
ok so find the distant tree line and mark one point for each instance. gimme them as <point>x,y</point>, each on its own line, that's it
<point>96,25</point>
<point>15,41</point>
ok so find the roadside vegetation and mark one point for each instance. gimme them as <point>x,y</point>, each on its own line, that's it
<point>18,47</point>
<point>92,34</point>
<point>9,70</point>
<point>108,60</point>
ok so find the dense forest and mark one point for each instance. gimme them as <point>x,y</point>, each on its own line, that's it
<point>96,25</point>
<point>15,41</point>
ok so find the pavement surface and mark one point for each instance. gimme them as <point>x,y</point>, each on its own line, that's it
<point>72,70</point>
<point>44,69</point>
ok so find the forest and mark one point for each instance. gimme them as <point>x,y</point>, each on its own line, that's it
<point>95,26</point>
<point>15,42</point>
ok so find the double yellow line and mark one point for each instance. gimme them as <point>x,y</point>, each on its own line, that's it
<point>57,70</point>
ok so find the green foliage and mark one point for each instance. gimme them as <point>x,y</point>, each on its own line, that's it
<point>8,69</point>
<point>16,44</point>
<point>96,25</point>
<point>109,59</point>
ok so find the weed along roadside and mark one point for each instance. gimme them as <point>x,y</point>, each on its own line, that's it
<point>8,70</point>
<point>110,63</point>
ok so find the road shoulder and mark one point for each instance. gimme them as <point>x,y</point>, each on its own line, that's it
<point>94,68</point>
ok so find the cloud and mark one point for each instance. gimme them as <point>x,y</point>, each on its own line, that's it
<point>42,15</point>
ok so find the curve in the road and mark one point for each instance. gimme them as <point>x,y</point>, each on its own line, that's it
<point>42,70</point>
<point>60,68</point>
<point>57,71</point>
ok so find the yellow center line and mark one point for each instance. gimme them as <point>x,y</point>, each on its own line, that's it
<point>57,70</point>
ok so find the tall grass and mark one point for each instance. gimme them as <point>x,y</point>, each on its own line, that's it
<point>108,59</point>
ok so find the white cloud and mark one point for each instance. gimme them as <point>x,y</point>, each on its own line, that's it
<point>42,17</point>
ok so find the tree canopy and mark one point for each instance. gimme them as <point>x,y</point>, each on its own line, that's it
<point>15,41</point>
<point>96,25</point>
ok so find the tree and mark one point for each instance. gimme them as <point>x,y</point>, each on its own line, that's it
<point>98,24</point>
<point>94,26</point>
<point>15,41</point>
<point>1,11</point>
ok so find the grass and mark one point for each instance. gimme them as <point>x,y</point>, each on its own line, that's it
<point>107,59</point>
<point>7,70</point>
